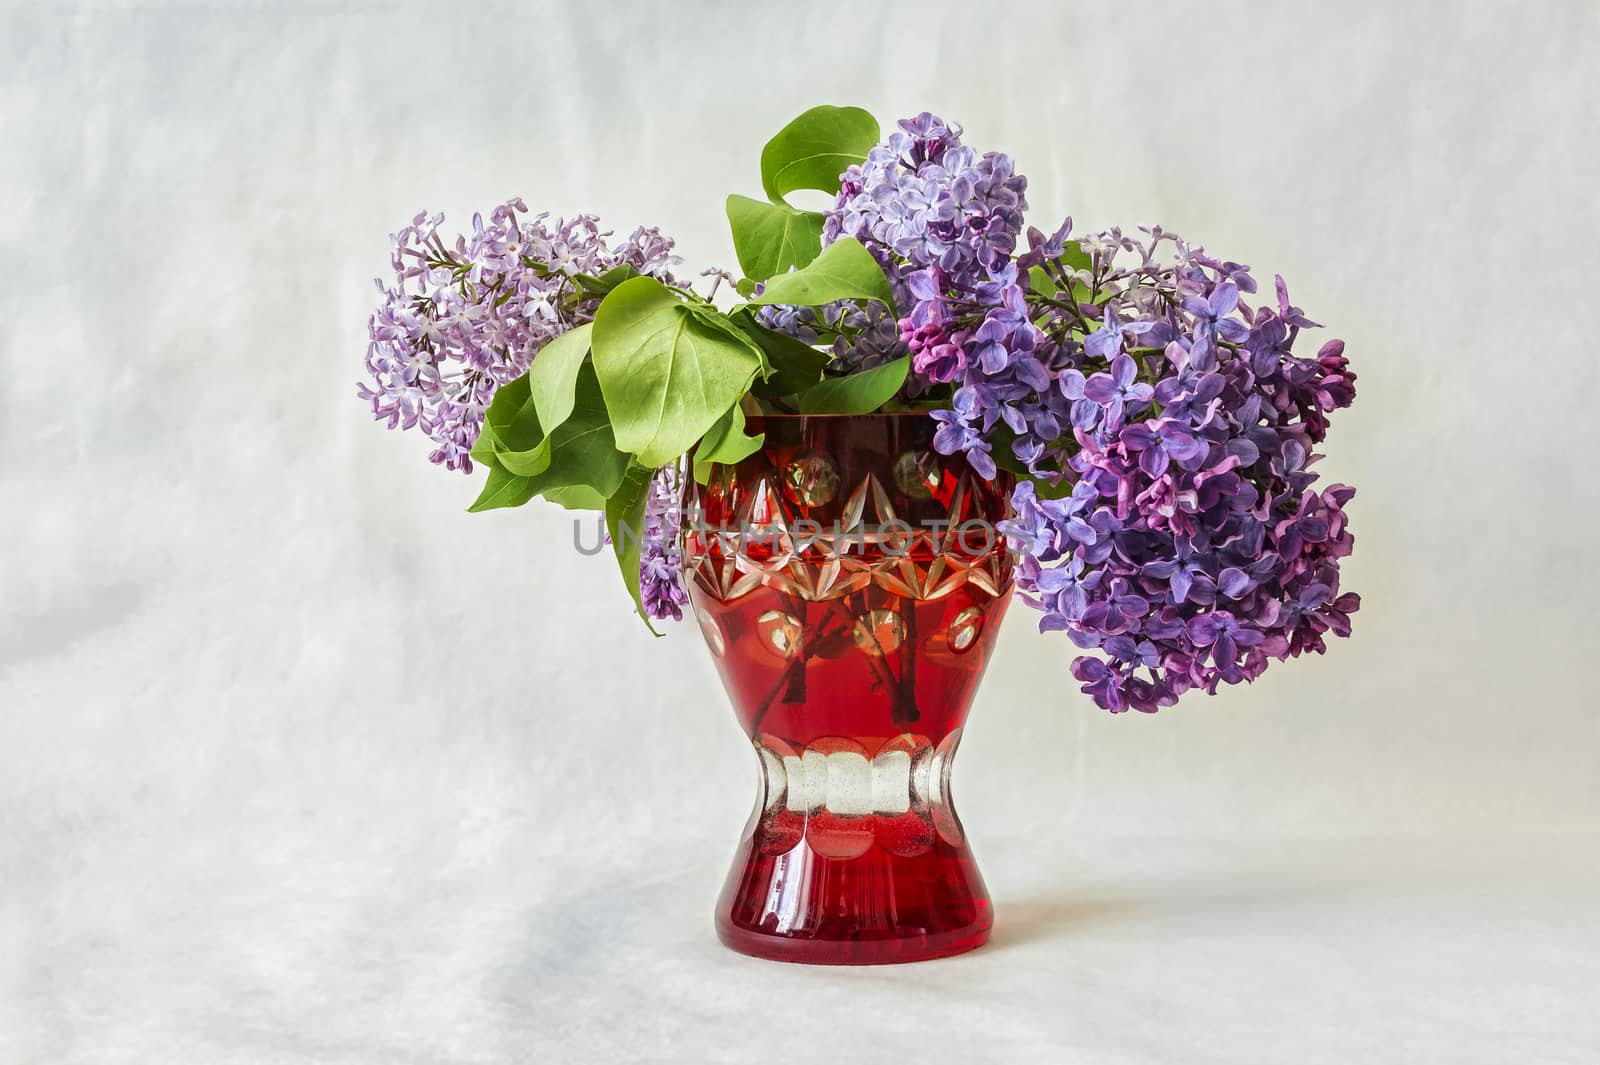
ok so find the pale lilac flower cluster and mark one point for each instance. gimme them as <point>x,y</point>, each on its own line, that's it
<point>923,199</point>
<point>1169,521</point>
<point>920,200</point>
<point>945,223</point>
<point>459,320</point>
<point>661,587</point>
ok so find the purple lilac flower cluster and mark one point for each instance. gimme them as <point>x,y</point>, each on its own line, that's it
<point>457,322</point>
<point>945,223</point>
<point>923,199</point>
<point>920,200</point>
<point>1169,520</point>
<point>862,337</point>
<point>661,587</point>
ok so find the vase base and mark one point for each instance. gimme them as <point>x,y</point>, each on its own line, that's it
<point>900,949</point>
<point>875,908</point>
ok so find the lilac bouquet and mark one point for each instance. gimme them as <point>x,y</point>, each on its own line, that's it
<point>459,321</point>
<point>1160,423</point>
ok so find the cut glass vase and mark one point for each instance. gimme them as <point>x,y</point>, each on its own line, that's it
<point>850,582</point>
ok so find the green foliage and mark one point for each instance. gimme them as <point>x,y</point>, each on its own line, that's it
<point>857,393</point>
<point>592,285</point>
<point>845,270</point>
<point>770,238</point>
<point>511,417</point>
<point>667,376</point>
<point>524,461</point>
<point>553,378</point>
<point>809,153</point>
<point>575,497</point>
<point>503,489</point>
<point>583,449</point>
<point>726,443</point>
<point>661,373</point>
<point>724,323</point>
<point>795,366</point>
<point>814,149</point>
<point>625,524</point>
<point>519,444</point>
<point>483,448</point>
<point>1074,256</point>
<point>530,463</point>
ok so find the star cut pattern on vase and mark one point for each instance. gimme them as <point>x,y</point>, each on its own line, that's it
<point>774,544</point>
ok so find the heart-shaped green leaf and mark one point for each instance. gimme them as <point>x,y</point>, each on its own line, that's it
<point>483,448</point>
<point>1074,256</point>
<point>580,453</point>
<point>575,497</point>
<point>554,375</point>
<point>530,463</point>
<point>727,442</point>
<point>667,376</point>
<point>583,450</point>
<point>503,489</point>
<point>593,285</point>
<point>796,366</point>
<point>770,238</point>
<point>512,424</point>
<point>845,270</point>
<point>511,419</point>
<point>814,149</point>
<point>857,393</point>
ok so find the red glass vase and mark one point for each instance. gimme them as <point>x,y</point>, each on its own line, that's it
<point>850,582</point>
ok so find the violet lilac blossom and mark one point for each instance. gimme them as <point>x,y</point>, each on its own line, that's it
<point>1164,428</point>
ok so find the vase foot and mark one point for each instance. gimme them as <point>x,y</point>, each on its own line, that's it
<point>852,951</point>
<point>874,908</point>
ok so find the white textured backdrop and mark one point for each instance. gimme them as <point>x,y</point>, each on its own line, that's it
<point>299,762</point>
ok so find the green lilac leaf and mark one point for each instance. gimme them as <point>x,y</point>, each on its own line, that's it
<point>512,418</point>
<point>727,441</point>
<point>530,463</point>
<point>857,393</point>
<point>845,270</point>
<point>796,365</point>
<point>1001,437</point>
<point>625,524</point>
<point>517,437</point>
<point>554,376</point>
<point>483,448</point>
<point>575,497</point>
<point>1042,487</point>
<point>770,238</point>
<point>583,449</point>
<point>725,325</point>
<point>593,285</point>
<point>1075,257</point>
<point>666,375</point>
<point>814,149</point>
<point>503,489</point>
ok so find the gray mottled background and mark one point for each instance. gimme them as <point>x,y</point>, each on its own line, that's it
<point>299,762</point>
